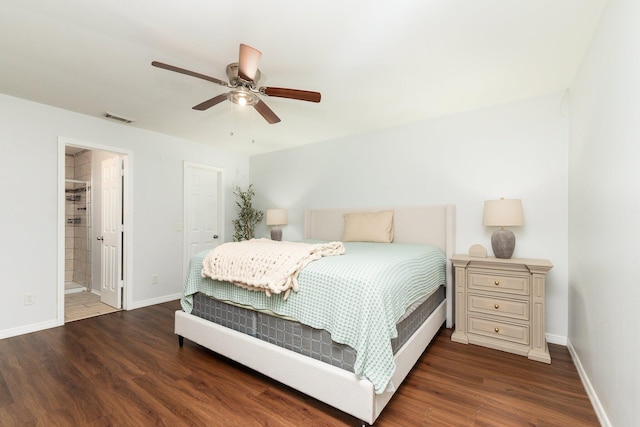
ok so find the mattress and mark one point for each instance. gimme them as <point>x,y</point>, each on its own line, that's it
<point>303,339</point>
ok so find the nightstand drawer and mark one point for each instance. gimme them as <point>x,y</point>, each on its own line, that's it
<point>512,284</point>
<point>514,309</point>
<point>500,330</point>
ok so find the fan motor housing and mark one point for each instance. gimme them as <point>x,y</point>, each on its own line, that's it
<point>234,80</point>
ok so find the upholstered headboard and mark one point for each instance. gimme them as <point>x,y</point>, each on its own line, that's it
<point>432,224</point>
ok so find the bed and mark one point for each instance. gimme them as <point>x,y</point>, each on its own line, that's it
<point>325,380</point>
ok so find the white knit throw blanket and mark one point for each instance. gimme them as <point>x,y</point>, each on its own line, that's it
<point>263,264</point>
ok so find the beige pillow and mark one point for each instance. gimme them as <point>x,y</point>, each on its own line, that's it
<point>368,227</point>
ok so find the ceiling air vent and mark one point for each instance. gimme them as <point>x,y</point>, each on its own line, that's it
<point>112,116</point>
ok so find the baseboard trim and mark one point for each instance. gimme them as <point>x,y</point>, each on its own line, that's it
<point>27,329</point>
<point>593,397</point>
<point>556,339</point>
<point>154,301</point>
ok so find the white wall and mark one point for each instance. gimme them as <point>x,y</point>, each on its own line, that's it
<point>604,213</point>
<point>517,150</point>
<point>28,219</point>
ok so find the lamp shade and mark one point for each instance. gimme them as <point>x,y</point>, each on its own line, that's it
<point>503,213</point>
<point>276,217</point>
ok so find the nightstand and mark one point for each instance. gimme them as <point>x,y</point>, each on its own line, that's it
<point>499,304</point>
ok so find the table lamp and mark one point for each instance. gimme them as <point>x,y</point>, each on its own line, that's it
<point>503,213</point>
<point>276,217</point>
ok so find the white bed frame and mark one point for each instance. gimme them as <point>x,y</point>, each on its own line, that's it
<point>337,387</point>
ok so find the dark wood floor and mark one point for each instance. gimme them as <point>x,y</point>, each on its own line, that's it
<point>126,369</point>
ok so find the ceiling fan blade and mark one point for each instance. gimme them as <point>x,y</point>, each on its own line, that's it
<point>210,102</point>
<point>188,73</point>
<point>248,62</point>
<point>266,112</point>
<point>302,95</point>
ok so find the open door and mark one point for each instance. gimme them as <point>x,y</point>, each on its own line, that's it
<point>111,233</point>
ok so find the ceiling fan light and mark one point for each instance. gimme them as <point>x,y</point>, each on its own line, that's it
<point>242,97</point>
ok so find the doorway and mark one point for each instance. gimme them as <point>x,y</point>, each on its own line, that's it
<point>81,257</point>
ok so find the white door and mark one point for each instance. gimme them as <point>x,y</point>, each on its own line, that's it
<point>202,209</point>
<point>111,233</point>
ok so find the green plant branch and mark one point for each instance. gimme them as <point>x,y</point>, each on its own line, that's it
<point>248,217</point>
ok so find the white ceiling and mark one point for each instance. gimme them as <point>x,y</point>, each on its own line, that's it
<point>377,63</point>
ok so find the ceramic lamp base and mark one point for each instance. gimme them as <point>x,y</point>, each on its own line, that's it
<point>276,234</point>
<point>503,243</point>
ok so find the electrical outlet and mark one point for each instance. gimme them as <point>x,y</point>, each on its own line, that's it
<point>155,279</point>
<point>29,299</point>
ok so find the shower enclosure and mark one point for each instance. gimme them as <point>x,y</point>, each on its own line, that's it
<point>77,235</point>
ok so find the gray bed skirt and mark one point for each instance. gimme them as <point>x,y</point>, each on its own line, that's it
<point>303,339</point>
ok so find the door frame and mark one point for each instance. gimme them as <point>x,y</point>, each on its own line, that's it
<point>127,198</point>
<point>185,209</point>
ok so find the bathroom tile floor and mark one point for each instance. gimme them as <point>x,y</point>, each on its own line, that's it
<point>82,305</point>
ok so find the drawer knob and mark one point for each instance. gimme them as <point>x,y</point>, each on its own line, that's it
<point>497,282</point>
<point>497,330</point>
<point>496,306</point>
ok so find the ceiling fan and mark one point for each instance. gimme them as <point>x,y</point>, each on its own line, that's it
<point>244,76</point>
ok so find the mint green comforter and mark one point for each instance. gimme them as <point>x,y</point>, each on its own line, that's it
<point>358,297</point>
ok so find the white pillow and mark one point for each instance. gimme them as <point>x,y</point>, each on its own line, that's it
<point>368,227</point>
